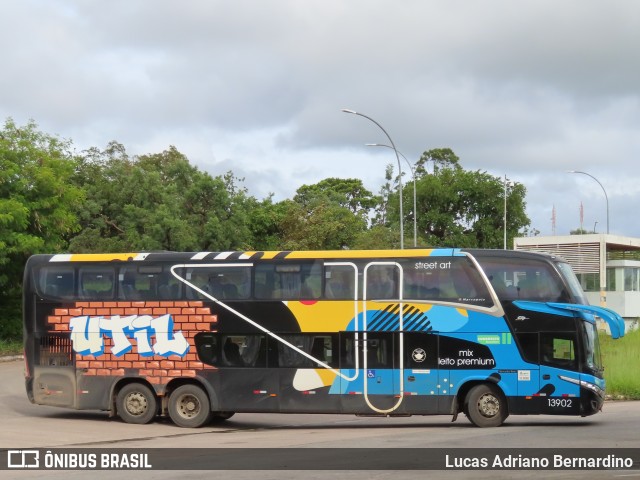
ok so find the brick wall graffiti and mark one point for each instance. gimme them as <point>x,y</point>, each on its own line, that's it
<point>152,335</point>
<point>149,339</point>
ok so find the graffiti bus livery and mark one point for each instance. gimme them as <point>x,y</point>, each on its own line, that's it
<point>201,336</point>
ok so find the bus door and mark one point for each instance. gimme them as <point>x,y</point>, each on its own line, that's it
<point>424,380</point>
<point>382,345</point>
<point>558,359</point>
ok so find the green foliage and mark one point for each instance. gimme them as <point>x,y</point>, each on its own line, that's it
<point>265,219</point>
<point>11,324</point>
<point>10,346</point>
<point>157,202</point>
<point>462,208</point>
<point>348,193</point>
<point>378,237</point>
<point>319,225</point>
<point>37,207</point>
<point>622,365</point>
<point>328,215</point>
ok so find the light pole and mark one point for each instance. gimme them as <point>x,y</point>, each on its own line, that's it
<point>346,110</point>
<point>604,191</point>
<point>603,262</point>
<point>413,173</point>
<point>504,218</point>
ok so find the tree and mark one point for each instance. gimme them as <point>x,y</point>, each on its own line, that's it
<point>348,193</point>
<point>265,219</point>
<point>442,158</point>
<point>37,203</point>
<point>157,202</point>
<point>462,208</point>
<point>320,225</point>
<point>384,232</point>
<point>328,215</point>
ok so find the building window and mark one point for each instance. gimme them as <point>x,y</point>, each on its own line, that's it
<point>631,279</point>
<point>590,282</point>
<point>611,280</point>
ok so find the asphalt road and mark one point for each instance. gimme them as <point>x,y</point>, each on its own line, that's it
<point>23,425</point>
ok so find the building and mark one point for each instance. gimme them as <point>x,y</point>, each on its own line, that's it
<point>607,266</point>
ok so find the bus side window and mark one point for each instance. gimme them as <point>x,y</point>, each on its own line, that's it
<point>207,347</point>
<point>382,282</point>
<point>168,289</point>
<point>96,283</point>
<point>57,283</point>
<point>231,353</point>
<point>557,349</point>
<point>127,288</point>
<point>288,357</point>
<point>288,281</point>
<point>244,350</point>
<point>339,282</point>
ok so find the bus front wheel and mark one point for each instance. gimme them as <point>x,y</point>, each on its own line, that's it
<point>486,406</point>
<point>136,403</point>
<point>189,406</point>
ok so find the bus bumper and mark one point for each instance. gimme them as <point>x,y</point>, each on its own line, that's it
<point>590,402</point>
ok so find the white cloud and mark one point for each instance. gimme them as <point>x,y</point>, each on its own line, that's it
<point>529,89</point>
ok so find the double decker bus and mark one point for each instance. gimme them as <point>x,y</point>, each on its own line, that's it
<point>201,336</point>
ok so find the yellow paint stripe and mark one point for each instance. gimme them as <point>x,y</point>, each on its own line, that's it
<point>265,255</point>
<point>101,257</point>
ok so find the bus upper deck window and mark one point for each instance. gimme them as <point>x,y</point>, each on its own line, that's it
<point>96,282</point>
<point>56,282</point>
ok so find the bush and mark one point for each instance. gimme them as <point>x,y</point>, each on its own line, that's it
<point>11,320</point>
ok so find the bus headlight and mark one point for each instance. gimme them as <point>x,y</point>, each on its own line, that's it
<point>584,384</point>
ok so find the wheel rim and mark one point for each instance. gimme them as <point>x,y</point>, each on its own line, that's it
<point>136,404</point>
<point>488,405</point>
<point>188,406</point>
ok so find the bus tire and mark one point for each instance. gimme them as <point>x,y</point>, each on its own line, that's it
<point>486,406</point>
<point>189,406</point>
<point>136,403</point>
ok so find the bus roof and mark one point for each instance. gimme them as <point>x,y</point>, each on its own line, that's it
<point>283,255</point>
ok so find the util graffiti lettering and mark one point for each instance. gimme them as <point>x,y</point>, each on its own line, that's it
<point>154,336</point>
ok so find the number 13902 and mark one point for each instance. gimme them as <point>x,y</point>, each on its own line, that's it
<point>560,402</point>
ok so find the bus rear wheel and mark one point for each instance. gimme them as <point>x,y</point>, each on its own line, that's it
<point>189,406</point>
<point>486,406</point>
<point>136,403</point>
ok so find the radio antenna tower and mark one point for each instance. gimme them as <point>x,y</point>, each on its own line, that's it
<point>553,221</point>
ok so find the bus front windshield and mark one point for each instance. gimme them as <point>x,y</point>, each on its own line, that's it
<point>592,357</point>
<point>572,282</point>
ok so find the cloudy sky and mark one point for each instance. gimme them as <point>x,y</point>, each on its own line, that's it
<point>526,89</point>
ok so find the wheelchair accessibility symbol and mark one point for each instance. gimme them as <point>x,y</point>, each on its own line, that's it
<point>371,374</point>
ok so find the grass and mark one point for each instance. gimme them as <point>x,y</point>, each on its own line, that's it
<point>10,347</point>
<point>621,360</point>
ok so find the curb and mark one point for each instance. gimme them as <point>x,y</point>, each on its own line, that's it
<point>11,358</point>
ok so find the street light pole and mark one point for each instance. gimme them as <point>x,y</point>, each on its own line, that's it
<point>505,213</point>
<point>346,110</point>
<point>413,173</point>
<point>603,190</point>
<point>507,183</point>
